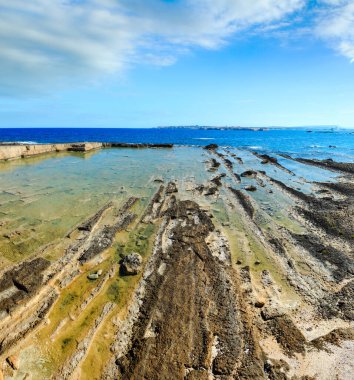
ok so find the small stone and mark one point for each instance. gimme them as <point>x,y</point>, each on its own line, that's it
<point>93,276</point>
<point>99,272</point>
<point>257,262</point>
<point>12,361</point>
<point>238,262</point>
<point>250,188</point>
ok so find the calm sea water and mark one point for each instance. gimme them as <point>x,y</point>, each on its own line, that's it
<point>336,144</point>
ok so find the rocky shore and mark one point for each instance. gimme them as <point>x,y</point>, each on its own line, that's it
<point>242,270</point>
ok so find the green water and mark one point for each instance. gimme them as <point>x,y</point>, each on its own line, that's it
<point>42,198</point>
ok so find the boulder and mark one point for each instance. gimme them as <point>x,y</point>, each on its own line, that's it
<point>131,264</point>
<point>250,188</point>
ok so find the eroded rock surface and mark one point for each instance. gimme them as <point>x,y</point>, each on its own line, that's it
<point>189,324</point>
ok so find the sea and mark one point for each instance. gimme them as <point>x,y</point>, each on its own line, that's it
<point>337,144</point>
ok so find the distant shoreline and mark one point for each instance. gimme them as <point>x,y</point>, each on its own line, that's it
<point>238,128</point>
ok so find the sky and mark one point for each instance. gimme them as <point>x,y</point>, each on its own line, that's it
<point>147,63</point>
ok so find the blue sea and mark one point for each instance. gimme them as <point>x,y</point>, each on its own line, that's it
<point>337,144</point>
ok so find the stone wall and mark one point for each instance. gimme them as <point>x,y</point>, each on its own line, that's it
<point>14,151</point>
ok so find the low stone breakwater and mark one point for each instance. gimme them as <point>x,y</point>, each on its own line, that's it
<point>12,151</point>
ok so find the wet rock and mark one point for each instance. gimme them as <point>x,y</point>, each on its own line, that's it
<point>200,188</point>
<point>214,164</point>
<point>277,370</point>
<point>68,368</point>
<point>344,167</point>
<point>287,335</point>
<point>27,278</point>
<point>336,217</point>
<point>249,174</point>
<point>84,147</point>
<point>211,147</point>
<point>266,159</point>
<point>20,329</point>
<point>212,190</point>
<point>237,176</point>
<point>171,188</point>
<point>338,263</point>
<point>228,163</point>
<point>244,201</point>
<point>334,337</point>
<point>92,221</point>
<point>170,298</point>
<point>131,264</point>
<point>217,180</point>
<point>153,209</point>
<point>136,145</point>
<point>104,238</point>
<point>340,304</point>
<point>344,188</point>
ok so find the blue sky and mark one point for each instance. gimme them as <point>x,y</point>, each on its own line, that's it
<point>145,63</point>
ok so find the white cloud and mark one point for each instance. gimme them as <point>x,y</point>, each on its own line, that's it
<point>55,42</point>
<point>336,25</point>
